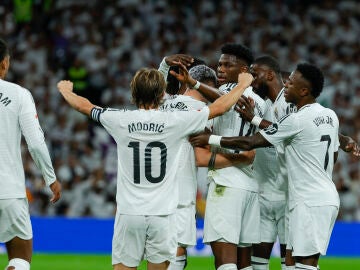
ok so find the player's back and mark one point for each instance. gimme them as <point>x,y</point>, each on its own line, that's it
<point>149,148</point>
<point>310,156</point>
<point>12,105</point>
<point>186,170</point>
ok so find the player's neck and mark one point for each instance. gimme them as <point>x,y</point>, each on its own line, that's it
<point>305,102</point>
<point>275,90</point>
<point>149,107</point>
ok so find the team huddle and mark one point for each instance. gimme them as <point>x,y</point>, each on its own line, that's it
<point>268,145</point>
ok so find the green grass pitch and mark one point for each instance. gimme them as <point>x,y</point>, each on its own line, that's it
<point>103,262</point>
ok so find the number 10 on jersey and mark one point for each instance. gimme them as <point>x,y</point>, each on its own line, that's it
<point>148,158</point>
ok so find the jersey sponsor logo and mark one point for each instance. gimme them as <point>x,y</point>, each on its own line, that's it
<point>270,130</point>
<point>150,127</point>
<point>4,100</point>
<point>322,120</point>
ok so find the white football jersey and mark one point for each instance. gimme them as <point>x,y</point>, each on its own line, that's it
<point>269,164</point>
<point>280,109</point>
<point>187,170</point>
<point>149,146</point>
<point>231,124</point>
<point>18,116</point>
<point>310,138</point>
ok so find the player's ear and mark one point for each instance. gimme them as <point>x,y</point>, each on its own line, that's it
<point>270,75</point>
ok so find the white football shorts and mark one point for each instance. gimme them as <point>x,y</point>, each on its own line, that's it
<point>272,220</point>
<point>15,219</point>
<point>186,226</point>
<point>152,238</point>
<point>310,228</point>
<point>232,215</point>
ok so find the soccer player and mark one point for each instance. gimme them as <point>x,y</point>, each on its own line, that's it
<point>310,139</point>
<point>272,187</point>
<point>18,117</point>
<point>269,165</point>
<point>232,215</point>
<point>187,171</point>
<point>148,145</point>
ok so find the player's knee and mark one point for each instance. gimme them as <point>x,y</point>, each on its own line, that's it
<point>18,264</point>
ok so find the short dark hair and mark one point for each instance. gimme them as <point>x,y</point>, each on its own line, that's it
<point>203,73</point>
<point>240,51</point>
<point>270,62</point>
<point>172,83</point>
<point>147,87</point>
<point>314,76</point>
<point>4,49</point>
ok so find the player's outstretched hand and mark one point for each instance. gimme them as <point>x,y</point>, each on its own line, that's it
<point>56,190</point>
<point>245,106</point>
<point>183,76</point>
<point>200,139</point>
<point>185,59</point>
<point>352,147</point>
<point>65,86</point>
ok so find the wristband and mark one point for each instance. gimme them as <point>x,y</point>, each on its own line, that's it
<point>211,163</point>
<point>256,120</point>
<point>214,140</point>
<point>197,85</point>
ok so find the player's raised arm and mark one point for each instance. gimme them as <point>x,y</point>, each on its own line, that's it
<point>210,93</point>
<point>79,103</point>
<point>225,102</point>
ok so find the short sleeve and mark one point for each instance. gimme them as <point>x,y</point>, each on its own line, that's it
<point>285,128</point>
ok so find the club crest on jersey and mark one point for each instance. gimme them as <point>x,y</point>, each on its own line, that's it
<point>270,130</point>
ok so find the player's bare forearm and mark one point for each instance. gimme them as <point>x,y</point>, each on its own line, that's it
<point>244,142</point>
<point>222,160</point>
<point>230,159</point>
<point>210,93</point>
<point>79,103</point>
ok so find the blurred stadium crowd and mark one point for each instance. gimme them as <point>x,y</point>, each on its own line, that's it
<point>99,44</point>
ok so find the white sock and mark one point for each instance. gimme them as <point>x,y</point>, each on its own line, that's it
<point>283,265</point>
<point>179,263</point>
<point>19,264</point>
<point>228,266</point>
<point>247,268</point>
<point>300,266</point>
<point>290,267</point>
<point>259,263</point>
